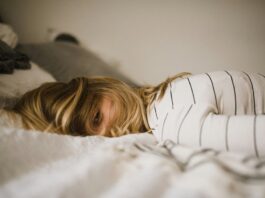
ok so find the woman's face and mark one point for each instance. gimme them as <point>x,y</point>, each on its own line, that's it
<point>104,116</point>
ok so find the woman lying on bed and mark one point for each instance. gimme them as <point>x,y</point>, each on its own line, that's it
<point>222,110</point>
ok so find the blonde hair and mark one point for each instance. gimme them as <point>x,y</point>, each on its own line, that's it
<point>70,108</point>
<point>149,93</point>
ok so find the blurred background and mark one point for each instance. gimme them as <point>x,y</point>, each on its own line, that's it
<point>149,40</point>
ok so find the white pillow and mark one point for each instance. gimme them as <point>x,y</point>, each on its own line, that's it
<point>8,35</point>
<point>13,86</point>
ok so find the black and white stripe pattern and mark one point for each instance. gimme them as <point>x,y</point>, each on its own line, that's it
<point>191,89</point>
<point>182,121</point>
<point>253,93</point>
<point>171,95</point>
<point>214,92</point>
<point>196,122</point>
<point>226,133</point>
<point>156,114</point>
<point>163,126</point>
<point>234,90</point>
<point>255,136</point>
<point>201,131</point>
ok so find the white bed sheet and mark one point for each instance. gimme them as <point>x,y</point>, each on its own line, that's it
<point>36,164</point>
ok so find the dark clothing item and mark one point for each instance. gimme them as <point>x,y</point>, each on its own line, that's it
<point>11,59</point>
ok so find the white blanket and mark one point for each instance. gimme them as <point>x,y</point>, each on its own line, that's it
<point>35,164</point>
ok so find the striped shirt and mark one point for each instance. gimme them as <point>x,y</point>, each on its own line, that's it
<point>223,110</point>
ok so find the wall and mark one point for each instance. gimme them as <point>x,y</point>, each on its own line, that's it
<point>152,39</point>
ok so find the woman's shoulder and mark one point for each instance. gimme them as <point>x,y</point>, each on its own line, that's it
<point>217,77</point>
<point>224,74</point>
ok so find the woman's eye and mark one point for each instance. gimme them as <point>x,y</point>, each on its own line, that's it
<point>97,119</point>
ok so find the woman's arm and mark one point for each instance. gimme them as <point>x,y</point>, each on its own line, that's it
<point>241,133</point>
<point>197,125</point>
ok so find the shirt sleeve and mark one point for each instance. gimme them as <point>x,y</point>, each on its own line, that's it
<point>198,125</point>
<point>240,133</point>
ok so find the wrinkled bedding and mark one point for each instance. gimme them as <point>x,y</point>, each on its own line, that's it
<point>36,164</point>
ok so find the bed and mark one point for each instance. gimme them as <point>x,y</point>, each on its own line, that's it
<point>37,164</point>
